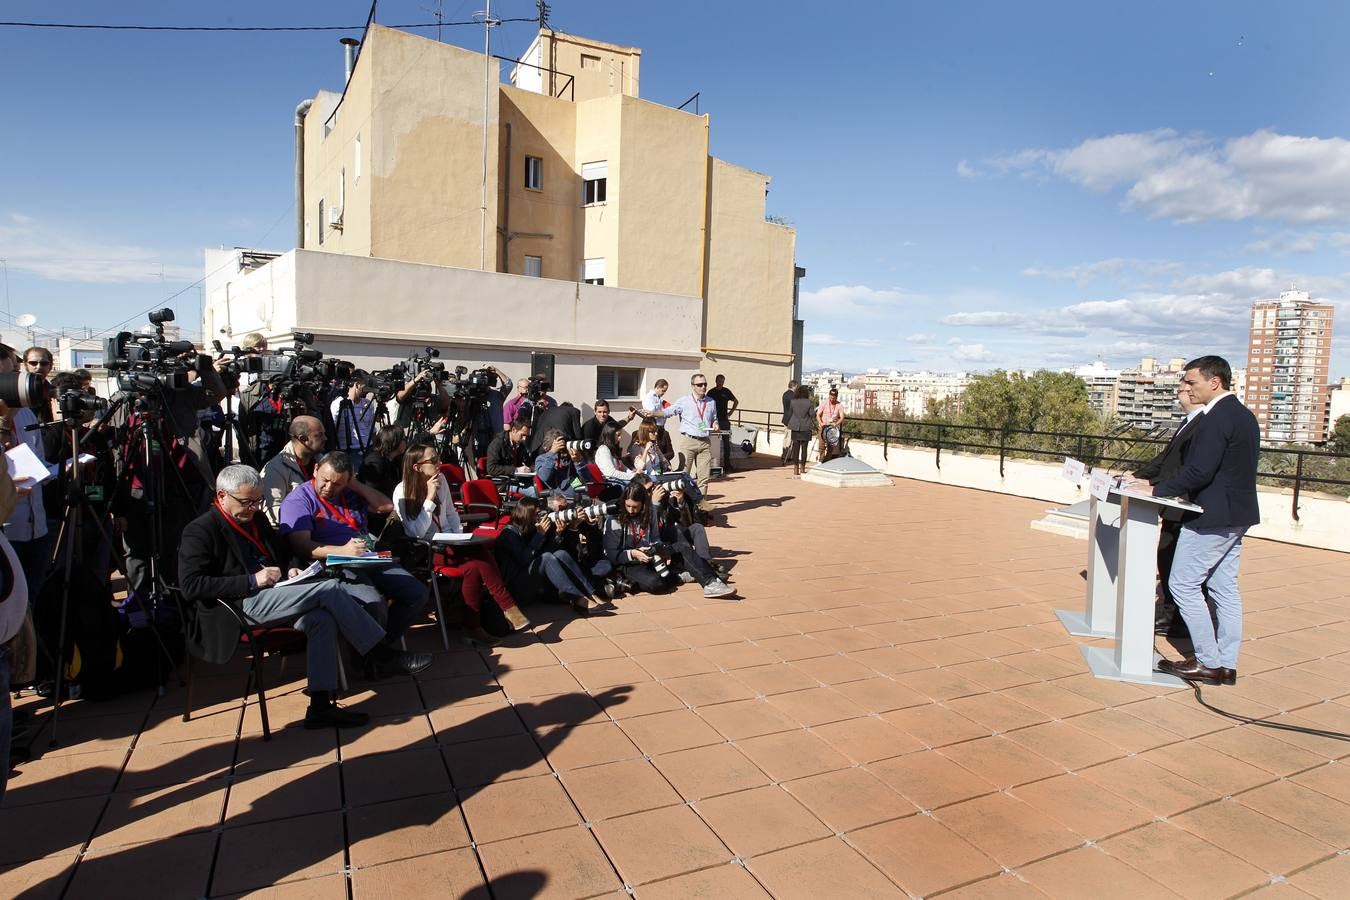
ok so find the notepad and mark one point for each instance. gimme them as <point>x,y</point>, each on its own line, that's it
<point>451,537</point>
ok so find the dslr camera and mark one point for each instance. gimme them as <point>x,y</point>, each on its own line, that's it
<point>577,445</point>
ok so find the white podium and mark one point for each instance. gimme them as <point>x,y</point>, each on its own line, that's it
<point>1098,619</point>
<point>1133,658</point>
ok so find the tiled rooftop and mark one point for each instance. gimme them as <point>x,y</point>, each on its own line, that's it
<point>892,709</point>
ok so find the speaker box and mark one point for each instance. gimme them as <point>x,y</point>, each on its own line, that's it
<point>541,366</point>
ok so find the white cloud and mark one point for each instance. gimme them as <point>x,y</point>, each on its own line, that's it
<point>972,353</point>
<point>986,319</point>
<point>1192,178</point>
<point>866,342</point>
<point>848,300</point>
<point>919,338</point>
<point>966,170</point>
<point>37,248</point>
<point>823,340</point>
<point>1117,266</point>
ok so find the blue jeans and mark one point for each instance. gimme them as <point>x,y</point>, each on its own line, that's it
<point>564,574</point>
<point>1208,558</point>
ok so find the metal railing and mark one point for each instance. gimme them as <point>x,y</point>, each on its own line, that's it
<point>1119,451</point>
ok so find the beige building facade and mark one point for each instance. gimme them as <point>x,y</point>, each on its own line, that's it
<point>1288,367</point>
<point>585,183</point>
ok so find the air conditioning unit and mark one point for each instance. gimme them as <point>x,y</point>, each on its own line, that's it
<point>335,218</point>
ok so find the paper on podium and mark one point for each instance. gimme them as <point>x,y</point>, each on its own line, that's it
<point>25,467</point>
<point>1174,502</point>
<point>451,537</point>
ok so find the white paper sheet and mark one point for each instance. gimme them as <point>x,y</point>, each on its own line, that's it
<point>25,467</point>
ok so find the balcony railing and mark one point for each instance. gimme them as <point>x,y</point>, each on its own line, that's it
<point>1118,449</point>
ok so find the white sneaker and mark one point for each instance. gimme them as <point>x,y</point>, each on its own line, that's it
<point>718,588</point>
<point>686,578</point>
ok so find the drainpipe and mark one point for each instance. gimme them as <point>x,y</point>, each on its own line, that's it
<point>300,112</point>
<point>506,208</point>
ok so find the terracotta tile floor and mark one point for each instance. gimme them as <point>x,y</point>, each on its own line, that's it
<point>893,709</point>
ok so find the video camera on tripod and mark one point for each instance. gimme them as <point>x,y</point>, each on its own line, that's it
<point>147,365</point>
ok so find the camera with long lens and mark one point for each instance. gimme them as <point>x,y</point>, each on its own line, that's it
<point>579,446</point>
<point>593,513</point>
<point>24,389</point>
<point>148,364</point>
<point>661,561</point>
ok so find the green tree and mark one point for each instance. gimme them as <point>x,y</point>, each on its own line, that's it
<point>1043,401</point>
<point>1340,436</point>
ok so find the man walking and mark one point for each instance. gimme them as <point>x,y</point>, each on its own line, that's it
<point>698,422</point>
<point>1218,474</point>
<point>787,408</point>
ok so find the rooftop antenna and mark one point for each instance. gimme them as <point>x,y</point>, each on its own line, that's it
<point>488,23</point>
<point>439,13</point>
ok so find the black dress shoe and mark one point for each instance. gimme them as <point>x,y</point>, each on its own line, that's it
<point>1190,669</point>
<point>385,661</point>
<point>330,715</point>
<point>1230,676</point>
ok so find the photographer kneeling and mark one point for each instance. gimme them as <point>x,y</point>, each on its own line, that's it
<point>231,553</point>
<point>634,544</point>
<point>423,504</point>
<point>530,550</point>
<point>323,517</point>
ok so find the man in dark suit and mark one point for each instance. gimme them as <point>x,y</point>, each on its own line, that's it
<point>1160,468</point>
<point>1218,473</point>
<point>787,408</point>
<point>232,553</point>
<point>565,418</point>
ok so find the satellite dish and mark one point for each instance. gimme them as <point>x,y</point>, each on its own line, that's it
<point>27,320</point>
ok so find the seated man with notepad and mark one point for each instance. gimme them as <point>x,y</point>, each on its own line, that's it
<point>231,553</point>
<point>323,518</point>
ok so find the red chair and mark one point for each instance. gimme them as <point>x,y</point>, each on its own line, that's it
<point>481,495</point>
<point>454,476</point>
<point>597,485</point>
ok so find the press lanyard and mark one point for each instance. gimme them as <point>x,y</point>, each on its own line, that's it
<point>255,539</point>
<point>337,512</point>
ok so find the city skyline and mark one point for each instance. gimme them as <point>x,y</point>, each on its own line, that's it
<point>1019,188</point>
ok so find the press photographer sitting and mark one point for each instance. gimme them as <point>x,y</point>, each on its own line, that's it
<point>561,467</point>
<point>681,520</point>
<point>325,517</point>
<point>508,454</point>
<point>609,456</point>
<point>422,502</point>
<point>635,546</point>
<point>231,553</point>
<point>531,555</point>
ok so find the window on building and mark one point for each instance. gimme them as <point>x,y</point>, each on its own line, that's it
<point>594,177</point>
<point>356,161</point>
<point>534,173</point>
<point>590,62</point>
<point>321,226</point>
<point>593,270</point>
<point>617,384</point>
<point>534,266</point>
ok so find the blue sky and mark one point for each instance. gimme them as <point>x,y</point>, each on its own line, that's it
<point>974,184</point>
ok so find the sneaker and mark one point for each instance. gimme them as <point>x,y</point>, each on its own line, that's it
<point>330,715</point>
<point>686,578</point>
<point>718,588</point>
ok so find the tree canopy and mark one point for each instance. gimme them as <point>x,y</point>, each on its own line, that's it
<point>1043,401</point>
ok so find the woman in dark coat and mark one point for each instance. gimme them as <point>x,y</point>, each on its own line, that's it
<point>800,423</point>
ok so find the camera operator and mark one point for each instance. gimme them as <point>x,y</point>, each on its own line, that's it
<point>98,478</point>
<point>523,402</point>
<point>25,526</point>
<point>38,361</point>
<point>294,466</point>
<point>324,517</point>
<point>492,424</point>
<point>509,454</point>
<point>560,466</point>
<point>354,418</point>
<point>532,555</point>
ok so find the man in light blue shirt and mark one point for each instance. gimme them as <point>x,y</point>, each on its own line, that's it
<point>354,419</point>
<point>698,422</point>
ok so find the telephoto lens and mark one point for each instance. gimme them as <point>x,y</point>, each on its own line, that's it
<point>578,445</point>
<point>660,564</point>
<point>24,389</point>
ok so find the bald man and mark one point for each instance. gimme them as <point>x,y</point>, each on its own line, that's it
<point>294,465</point>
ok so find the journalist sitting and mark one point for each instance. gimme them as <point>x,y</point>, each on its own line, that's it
<point>423,504</point>
<point>634,545</point>
<point>324,517</point>
<point>681,520</point>
<point>294,466</point>
<point>651,460</point>
<point>531,553</point>
<point>564,417</point>
<point>609,456</point>
<point>560,467</point>
<point>508,454</point>
<point>231,553</point>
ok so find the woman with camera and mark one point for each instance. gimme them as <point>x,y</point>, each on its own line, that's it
<point>422,502</point>
<point>530,553</point>
<point>680,519</point>
<point>635,545</point>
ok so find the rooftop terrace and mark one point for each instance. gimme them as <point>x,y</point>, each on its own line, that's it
<point>892,710</point>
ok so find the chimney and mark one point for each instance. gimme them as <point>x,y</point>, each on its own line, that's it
<point>349,46</point>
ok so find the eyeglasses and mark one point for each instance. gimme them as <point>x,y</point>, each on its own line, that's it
<point>428,462</point>
<point>39,363</point>
<point>245,502</point>
<point>700,384</point>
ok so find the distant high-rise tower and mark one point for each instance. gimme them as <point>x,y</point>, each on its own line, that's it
<point>1288,362</point>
